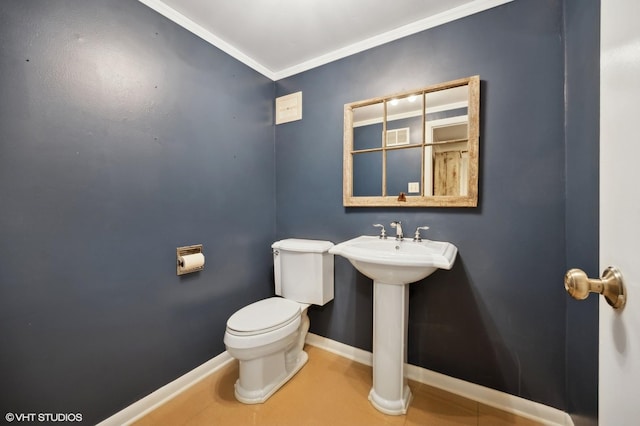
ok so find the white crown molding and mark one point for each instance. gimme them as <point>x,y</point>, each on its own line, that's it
<point>404,31</point>
<point>398,33</point>
<point>186,23</point>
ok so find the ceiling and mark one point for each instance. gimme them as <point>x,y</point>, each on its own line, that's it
<point>279,38</point>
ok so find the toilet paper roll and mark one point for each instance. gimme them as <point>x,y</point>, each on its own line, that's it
<point>192,261</point>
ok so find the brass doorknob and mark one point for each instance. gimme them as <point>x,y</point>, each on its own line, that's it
<point>611,286</point>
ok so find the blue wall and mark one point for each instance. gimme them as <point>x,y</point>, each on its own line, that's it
<point>498,318</point>
<point>582,45</point>
<point>122,137</point>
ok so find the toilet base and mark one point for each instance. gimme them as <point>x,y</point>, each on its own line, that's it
<point>261,395</point>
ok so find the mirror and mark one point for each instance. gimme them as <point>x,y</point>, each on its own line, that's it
<point>417,148</point>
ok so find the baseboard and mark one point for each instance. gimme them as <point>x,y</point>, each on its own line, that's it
<point>500,400</point>
<point>345,351</point>
<point>152,401</point>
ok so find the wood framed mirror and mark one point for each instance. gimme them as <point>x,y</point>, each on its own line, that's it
<point>417,148</point>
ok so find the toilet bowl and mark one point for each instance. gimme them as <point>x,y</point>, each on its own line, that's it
<point>267,337</point>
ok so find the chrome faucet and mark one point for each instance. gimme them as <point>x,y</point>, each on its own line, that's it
<point>398,225</point>
<point>383,233</point>
<point>417,238</point>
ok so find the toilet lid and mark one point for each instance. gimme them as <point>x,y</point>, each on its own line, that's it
<point>263,316</point>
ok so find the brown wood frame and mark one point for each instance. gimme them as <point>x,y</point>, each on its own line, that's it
<point>469,200</point>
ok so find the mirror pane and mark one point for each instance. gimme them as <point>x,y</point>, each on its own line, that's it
<point>404,120</point>
<point>447,103</point>
<point>367,137</point>
<point>368,114</point>
<point>367,176</point>
<point>367,126</point>
<point>447,139</point>
<point>403,169</point>
<point>447,149</point>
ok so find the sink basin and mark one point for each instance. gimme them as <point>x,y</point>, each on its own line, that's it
<point>392,265</point>
<point>396,262</point>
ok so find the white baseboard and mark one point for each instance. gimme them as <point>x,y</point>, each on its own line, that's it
<point>345,351</point>
<point>500,400</point>
<point>152,401</point>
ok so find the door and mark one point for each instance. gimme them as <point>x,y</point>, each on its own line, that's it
<point>619,352</point>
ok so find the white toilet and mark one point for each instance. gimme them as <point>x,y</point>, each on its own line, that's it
<point>267,336</point>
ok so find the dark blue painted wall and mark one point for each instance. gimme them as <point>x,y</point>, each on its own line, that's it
<point>582,30</point>
<point>498,318</point>
<point>122,137</point>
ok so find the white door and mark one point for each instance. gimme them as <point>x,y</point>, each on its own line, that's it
<point>619,354</point>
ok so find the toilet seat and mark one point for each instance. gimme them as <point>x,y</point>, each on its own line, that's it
<point>263,317</point>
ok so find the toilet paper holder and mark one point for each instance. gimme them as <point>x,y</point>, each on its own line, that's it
<point>186,251</point>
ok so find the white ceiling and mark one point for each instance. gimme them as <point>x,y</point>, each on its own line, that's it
<point>279,38</point>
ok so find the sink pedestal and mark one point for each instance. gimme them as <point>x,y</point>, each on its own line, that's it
<point>390,393</point>
<point>393,265</point>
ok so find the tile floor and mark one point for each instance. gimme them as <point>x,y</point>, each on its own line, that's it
<point>329,390</point>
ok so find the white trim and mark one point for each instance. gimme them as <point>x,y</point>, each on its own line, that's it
<point>155,399</point>
<point>416,113</point>
<point>500,400</point>
<point>404,31</point>
<point>186,23</point>
<point>345,351</point>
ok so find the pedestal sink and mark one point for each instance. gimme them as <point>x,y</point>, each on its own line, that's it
<point>393,265</point>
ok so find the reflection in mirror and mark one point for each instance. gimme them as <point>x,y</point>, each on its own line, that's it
<point>368,182</point>
<point>368,128</point>
<point>447,142</point>
<point>422,143</point>
<point>450,157</point>
<point>403,167</point>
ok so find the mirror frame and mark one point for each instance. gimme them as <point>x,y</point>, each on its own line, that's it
<point>469,200</point>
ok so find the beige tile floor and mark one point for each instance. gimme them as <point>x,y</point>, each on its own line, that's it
<point>329,390</point>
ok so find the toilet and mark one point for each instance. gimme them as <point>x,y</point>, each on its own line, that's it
<point>267,336</point>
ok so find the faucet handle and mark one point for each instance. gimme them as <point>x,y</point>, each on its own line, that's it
<point>383,233</point>
<point>417,237</point>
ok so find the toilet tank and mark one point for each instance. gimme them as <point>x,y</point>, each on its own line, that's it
<point>303,270</point>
